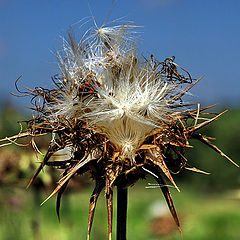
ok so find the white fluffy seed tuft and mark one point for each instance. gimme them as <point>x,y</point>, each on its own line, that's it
<point>119,94</point>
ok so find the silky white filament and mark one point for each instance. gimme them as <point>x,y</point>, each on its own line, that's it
<point>105,83</point>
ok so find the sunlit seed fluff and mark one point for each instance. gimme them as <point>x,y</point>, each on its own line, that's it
<point>129,97</point>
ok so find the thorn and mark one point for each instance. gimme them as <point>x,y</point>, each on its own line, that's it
<point>193,169</point>
<point>162,165</point>
<point>195,128</point>
<point>211,145</point>
<point>92,204</point>
<point>109,197</point>
<point>169,200</point>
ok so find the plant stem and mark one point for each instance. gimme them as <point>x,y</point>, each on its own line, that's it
<point>121,212</point>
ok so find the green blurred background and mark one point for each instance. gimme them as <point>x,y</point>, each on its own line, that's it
<point>204,36</point>
<point>208,205</point>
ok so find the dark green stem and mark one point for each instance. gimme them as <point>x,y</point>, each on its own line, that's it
<point>122,194</point>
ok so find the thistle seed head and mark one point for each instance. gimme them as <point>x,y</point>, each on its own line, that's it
<point>122,115</point>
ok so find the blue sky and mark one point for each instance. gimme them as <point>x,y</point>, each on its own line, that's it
<point>204,36</point>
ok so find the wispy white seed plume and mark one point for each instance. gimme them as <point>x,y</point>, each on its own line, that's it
<point>130,96</point>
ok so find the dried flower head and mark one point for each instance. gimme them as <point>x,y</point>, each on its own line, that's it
<point>122,115</point>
